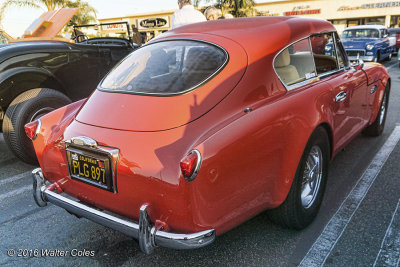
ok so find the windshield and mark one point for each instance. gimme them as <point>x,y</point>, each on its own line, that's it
<point>360,33</point>
<point>116,30</point>
<point>166,68</point>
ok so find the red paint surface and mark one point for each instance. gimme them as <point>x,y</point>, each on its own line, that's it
<point>249,159</point>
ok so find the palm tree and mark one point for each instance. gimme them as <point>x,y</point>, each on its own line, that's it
<point>85,15</point>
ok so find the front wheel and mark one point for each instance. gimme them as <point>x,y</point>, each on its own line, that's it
<point>27,107</point>
<point>308,186</point>
<point>376,128</point>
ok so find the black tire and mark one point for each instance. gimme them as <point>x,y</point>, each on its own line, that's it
<point>378,57</point>
<point>293,212</point>
<point>27,107</point>
<point>389,57</point>
<point>376,128</point>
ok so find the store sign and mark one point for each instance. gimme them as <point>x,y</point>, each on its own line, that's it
<point>302,12</point>
<point>160,22</point>
<point>113,27</point>
<point>371,6</point>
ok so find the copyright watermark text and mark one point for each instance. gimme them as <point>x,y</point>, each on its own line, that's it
<point>38,253</point>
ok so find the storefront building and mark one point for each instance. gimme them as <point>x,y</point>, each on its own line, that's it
<point>341,14</point>
<point>148,24</point>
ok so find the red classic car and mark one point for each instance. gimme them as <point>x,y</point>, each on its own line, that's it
<point>207,126</point>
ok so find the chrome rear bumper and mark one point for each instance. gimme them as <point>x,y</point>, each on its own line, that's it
<point>149,237</point>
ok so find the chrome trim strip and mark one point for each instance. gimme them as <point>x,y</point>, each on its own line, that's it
<point>37,130</point>
<point>144,231</point>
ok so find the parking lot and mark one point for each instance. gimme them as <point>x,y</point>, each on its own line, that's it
<point>358,224</point>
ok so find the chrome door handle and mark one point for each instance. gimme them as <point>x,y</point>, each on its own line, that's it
<point>373,89</point>
<point>341,96</point>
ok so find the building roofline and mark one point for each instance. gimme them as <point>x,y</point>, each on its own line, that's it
<point>282,1</point>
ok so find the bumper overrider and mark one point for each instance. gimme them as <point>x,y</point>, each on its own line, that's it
<point>144,231</point>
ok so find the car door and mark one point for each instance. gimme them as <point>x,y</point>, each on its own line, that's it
<point>81,74</point>
<point>349,88</point>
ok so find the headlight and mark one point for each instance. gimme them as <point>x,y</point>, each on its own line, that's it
<point>369,47</point>
<point>328,48</point>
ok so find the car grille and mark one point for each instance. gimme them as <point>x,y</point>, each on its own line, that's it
<point>354,53</point>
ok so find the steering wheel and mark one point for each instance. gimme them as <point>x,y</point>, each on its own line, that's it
<point>80,38</point>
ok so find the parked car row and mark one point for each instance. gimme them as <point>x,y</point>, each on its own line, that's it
<point>200,129</point>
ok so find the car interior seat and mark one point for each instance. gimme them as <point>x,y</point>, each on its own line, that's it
<point>288,73</point>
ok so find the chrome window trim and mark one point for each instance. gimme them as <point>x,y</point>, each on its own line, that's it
<point>171,94</point>
<point>343,51</point>
<point>315,66</point>
<point>292,86</point>
<point>317,77</point>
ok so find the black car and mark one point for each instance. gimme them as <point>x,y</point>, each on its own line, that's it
<point>37,77</point>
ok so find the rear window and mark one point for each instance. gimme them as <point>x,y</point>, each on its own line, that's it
<point>166,68</point>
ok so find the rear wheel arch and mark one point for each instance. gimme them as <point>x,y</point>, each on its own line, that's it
<point>16,81</point>
<point>292,213</point>
<point>329,132</point>
<point>26,107</point>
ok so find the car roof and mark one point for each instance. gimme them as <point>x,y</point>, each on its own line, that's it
<point>254,34</point>
<point>394,30</point>
<point>376,27</point>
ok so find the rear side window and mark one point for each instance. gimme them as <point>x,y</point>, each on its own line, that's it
<point>295,63</point>
<point>166,68</point>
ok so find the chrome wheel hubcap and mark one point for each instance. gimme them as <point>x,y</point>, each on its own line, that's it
<point>312,177</point>
<point>383,110</point>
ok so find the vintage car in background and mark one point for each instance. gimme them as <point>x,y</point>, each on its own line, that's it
<point>4,37</point>
<point>207,126</point>
<point>394,33</point>
<point>398,56</point>
<point>38,76</point>
<point>367,42</point>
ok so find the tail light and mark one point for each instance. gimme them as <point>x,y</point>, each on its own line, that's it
<point>32,129</point>
<point>190,165</point>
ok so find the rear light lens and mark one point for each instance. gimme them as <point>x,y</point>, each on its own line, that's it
<point>190,165</point>
<point>32,129</point>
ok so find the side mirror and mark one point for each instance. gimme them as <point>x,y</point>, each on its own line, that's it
<point>385,36</point>
<point>358,64</point>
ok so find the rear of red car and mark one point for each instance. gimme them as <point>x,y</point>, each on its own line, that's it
<point>134,145</point>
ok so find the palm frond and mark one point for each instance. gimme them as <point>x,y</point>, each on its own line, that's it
<point>17,3</point>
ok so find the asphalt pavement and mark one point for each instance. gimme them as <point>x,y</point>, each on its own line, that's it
<point>358,224</point>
